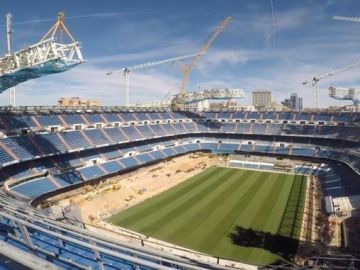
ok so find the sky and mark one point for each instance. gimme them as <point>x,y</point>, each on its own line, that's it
<point>269,44</point>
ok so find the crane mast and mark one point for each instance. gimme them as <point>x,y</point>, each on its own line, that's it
<point>9,32</point>
<point>186,69</point>
<point>126,70</point>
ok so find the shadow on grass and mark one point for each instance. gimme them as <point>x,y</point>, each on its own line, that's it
<point>282,246</point>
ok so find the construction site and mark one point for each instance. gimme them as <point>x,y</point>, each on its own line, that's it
<point>194,180</point>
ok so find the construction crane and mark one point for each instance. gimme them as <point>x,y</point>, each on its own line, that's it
<point>186,69</point>
<point>315,80</point>
<point>126,70</point>
<point>48,56</point>
<point>9,38</point>
<point>341,93</point>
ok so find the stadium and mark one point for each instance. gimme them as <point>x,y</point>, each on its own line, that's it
<point>170,185</point>
<point>256,173</point>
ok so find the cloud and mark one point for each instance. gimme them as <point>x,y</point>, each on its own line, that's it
<point>308,43</point>
<point>89,81</point>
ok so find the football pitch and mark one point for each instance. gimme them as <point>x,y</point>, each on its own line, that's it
<point>245,215</point>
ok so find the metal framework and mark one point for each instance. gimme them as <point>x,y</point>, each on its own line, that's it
<point>9,32</point>
<point>192,97</point>
<point>341,93</point>
<point>43,58</point>
<point>186,69</point>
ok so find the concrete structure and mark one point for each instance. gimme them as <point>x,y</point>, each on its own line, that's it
<point>76,101</point>
<point>261,99</point>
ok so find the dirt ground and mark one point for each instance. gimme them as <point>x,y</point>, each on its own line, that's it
<point>123,191</point>
<point>310,233</point>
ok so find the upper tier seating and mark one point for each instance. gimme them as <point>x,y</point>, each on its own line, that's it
<point>73,119</point>
<point>48,120</point>
<point>26,147</point>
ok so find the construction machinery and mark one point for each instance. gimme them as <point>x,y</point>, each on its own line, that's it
<point>341,93</point>
<point>208,94</point>
<point>315,80</point>
<point>186,69</point>
<point>50,55</point>
<point>126,71</point>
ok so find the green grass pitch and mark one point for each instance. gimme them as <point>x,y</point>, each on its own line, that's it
<point>245,215</point>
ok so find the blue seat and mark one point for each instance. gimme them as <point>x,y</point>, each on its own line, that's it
<point>93,118</point>
<point>264,148</point>
<point>129,162</point>
<point>96,136</point>
<point>145,158</point>
<point>91,172</point>
<point>22,147</point>
<point>228,127</point>
<point>243,128</point>
<point>48,120</point>
<point>5,157</point>
<point>112,166</point>
<point>75,140</point>
<point>209,146</point>
<point>259,128</point>
<point>131,133</point>
<point>35,188</point>
<point>157,155</point>
<point>116,135</point>
<point>127,117</point>
<point>111,117</point>
<point>73,119</point>
<point>145,132</point>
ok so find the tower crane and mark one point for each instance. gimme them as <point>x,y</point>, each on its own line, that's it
<point>9,38</point>
<point>187,68</point>
<point>126,70</point>
<point>315,80</point>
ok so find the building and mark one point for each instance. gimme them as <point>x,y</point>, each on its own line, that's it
<point>294,102</point>
<point>276,107</point>
<point>261,99</point>
<point>76,102</point>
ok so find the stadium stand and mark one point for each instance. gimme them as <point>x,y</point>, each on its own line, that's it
<point>45,161</point>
